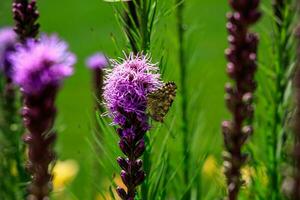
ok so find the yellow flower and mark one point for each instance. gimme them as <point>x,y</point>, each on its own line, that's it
<point>64,173</point>
<point>260,174</point>
<point>14,170</point>
<point>213,171</point>
<point>210,167</point>
<point>247,174</point>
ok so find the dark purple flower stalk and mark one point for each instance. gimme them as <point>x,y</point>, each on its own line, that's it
<point>296,151</point>
<point>242,56</point>
<point>97,63</point>
<point>125,93</point>
<point>39,68</point>
<point>25,15</point>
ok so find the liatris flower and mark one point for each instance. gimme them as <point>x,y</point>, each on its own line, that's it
<point>97,62</point>
<point>39,67</point>
<point>125,93</point>
<point>241,68</point>
<point>25,15</point>
<point>50,64</point>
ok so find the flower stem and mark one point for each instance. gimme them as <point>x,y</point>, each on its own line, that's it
<point>183,86</point>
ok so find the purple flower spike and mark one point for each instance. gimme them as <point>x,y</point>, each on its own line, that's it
<point>39,67</point>
<point>38,64</point>
<point>97,61</point>
<point>241,68</point>
<point>125,94</point>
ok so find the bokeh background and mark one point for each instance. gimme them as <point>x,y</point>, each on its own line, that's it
<point>91,26</point>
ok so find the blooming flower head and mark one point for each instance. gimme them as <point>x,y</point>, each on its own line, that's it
<point>40,64</point>
<point>126,87</point>
<point>8,39</point>
<point>97,61</point>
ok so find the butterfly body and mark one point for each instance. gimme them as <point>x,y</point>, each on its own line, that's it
<point>160,101</point>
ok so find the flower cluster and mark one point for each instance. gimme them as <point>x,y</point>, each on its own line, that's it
<point>39,68</point>
<point>127,86</point>
<point>242,56</point>
<point>125,94</point>
<point>38,64</point>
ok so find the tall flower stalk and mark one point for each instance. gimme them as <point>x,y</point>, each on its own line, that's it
<point>25,15</point>
<point>138,18</point>
<point>183,86</point>
<point>96,63</point>
<point>39,67</point>
<point>125,92</point>
<point>241,68</point>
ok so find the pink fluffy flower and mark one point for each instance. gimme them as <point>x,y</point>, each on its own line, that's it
<point>42,63</point>
<point>126,86</point>
<point>97,61</point>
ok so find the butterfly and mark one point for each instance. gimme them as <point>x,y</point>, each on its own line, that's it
<point>160,101</point>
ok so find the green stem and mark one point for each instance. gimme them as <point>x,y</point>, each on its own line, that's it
<point>14,155</point>
<point>183,86</point>
<point>144,27</point>
<point>283,61</point>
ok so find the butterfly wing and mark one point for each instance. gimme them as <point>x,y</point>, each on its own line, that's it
<point>160,101</point>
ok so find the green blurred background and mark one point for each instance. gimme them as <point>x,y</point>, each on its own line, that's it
<point>89,26</point>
